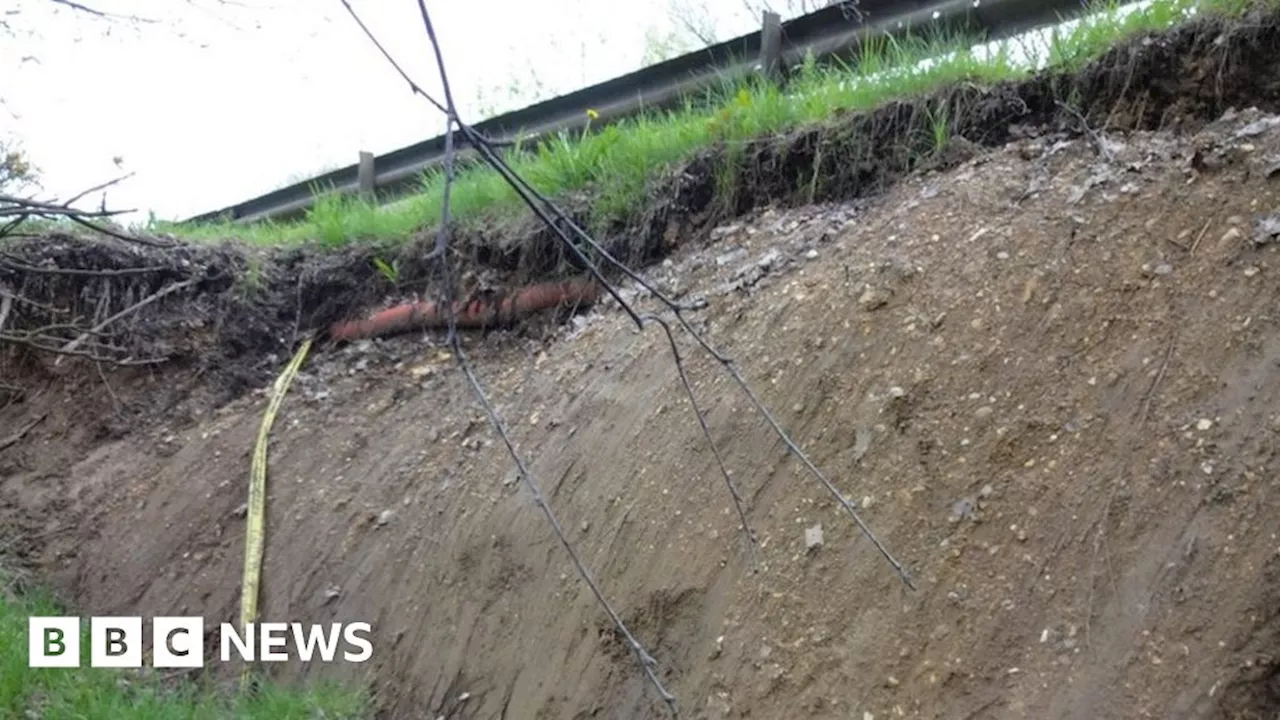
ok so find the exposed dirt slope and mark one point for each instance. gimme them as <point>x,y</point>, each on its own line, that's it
<point>1047,372</point>
<point>1078,464</point>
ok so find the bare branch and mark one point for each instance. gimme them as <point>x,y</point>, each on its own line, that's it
<point>78,7</point>
<point>168,289</point>
<point>6,304</point>
<point>96,188</point>
<point>22,432</point>
<point>12,263</point>
<point>21,209</point>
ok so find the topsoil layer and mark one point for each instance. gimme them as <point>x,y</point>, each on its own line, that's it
<point>1043,361</point>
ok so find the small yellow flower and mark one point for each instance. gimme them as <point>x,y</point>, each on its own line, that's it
<point>592,114</point>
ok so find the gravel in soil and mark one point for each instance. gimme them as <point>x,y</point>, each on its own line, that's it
<point>1044,369</point>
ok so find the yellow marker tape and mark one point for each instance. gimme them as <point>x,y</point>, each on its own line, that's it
<point>253,531</point>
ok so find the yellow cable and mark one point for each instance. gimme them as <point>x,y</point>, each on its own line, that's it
<point>256,518</point>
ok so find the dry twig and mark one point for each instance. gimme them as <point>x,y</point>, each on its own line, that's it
<point>71,346</point>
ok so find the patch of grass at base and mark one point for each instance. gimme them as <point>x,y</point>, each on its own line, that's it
<point>615,164</point>
<point>104,694</point>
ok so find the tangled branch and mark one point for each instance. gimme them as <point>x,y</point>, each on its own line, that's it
<point>14,211</point>
<point>61,331</point>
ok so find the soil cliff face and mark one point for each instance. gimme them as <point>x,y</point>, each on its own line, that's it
<point>1046,372</point>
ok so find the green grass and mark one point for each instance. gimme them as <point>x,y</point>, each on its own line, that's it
<point>615,164</point>
<point>96,693</point>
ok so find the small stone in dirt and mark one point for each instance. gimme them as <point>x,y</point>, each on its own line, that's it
<point>1162,269</point>
<point>986,491</point>
<point>873,299</point>
<point>770,260</point>
<point>731,257</point>
<point>384,517</point>
<point>813,538</point>
<point>585,526</point>
<point>1266,228</point>
<point>241,511</point>
<point>332,593</point>
<point>797,408</point>
<point>1251,271</point>
<point>961,510</point>
<point>983,412</point>
<point>748,275</point>
<point>811,255</point>
<point>1258,127</point>
<point>1204,424</point>
<point>724,231</point>
<point>861,442</point>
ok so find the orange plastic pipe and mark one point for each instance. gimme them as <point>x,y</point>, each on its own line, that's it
<point>472,314</point>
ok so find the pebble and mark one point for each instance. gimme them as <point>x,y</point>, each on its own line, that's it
<point>813,537</point>
<point>873,299</point>
<point>961,509</point>
<point>724,231</point>
<point>770,260</point>
<point>731,257</point>
<point>811,255</point>
<point>384,517</point>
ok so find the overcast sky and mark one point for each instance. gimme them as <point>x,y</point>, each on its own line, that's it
<point>216,102</point>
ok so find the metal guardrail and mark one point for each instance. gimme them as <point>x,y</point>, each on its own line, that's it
<point>833,32</point>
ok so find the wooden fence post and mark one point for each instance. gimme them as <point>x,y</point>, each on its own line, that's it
<point>771,45</point>
<point>365,175</point>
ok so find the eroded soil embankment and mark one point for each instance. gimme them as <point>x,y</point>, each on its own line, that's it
<point>1047,374</point>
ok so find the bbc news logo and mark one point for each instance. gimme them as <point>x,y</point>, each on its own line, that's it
<point>178,642</point>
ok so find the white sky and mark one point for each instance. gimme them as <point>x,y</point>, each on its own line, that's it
<point>217,103</point>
